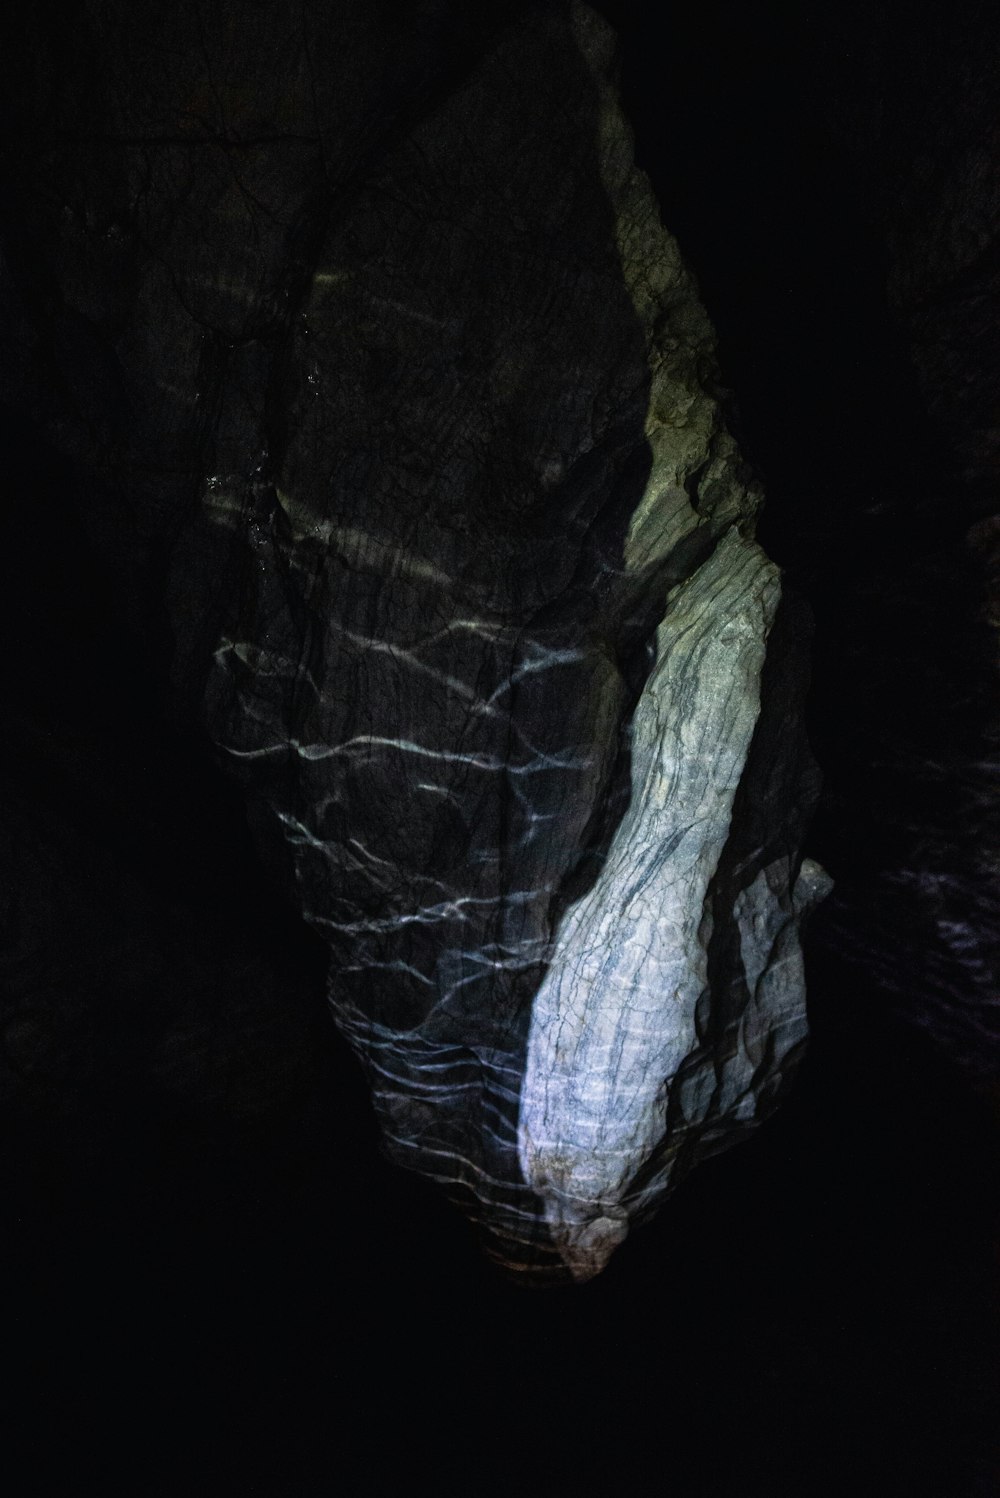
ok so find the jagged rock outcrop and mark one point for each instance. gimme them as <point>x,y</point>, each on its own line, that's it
<point>409,393</point>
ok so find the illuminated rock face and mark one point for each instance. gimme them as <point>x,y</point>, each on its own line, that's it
<point>422,403</point>
<point>615,1032</point>
<point>496,668</point>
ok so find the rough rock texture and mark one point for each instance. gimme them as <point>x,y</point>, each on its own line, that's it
<point>911,110</point>
<point>400,389</point>
<point>942,231</point>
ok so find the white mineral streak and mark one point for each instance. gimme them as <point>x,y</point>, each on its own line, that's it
<point>614,1017</point>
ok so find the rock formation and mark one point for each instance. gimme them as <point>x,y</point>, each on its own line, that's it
<point>396,378</point>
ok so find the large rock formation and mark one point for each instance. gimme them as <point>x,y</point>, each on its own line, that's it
<point>395,375</point>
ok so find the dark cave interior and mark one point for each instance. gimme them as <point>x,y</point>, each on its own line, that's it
<point>225,1286</point>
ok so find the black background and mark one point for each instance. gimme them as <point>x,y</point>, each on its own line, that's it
<point>223,1287</point>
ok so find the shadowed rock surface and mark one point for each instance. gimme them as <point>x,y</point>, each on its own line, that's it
<point>399,393</point>
<point>214,1281</point>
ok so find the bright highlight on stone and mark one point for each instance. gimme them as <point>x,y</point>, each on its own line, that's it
<point>510,674</point>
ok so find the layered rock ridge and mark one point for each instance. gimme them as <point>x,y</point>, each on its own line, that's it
<point>463,580</point>
<point>499,663</point>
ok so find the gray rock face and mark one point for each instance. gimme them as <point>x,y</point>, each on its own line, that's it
<point>463,577</point>
<point>616,1016</point>
<point>508,509</point>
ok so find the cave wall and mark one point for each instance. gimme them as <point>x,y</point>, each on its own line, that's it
<point>186,1300</point>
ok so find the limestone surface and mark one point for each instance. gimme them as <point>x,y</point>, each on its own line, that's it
<point>414,404</point>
